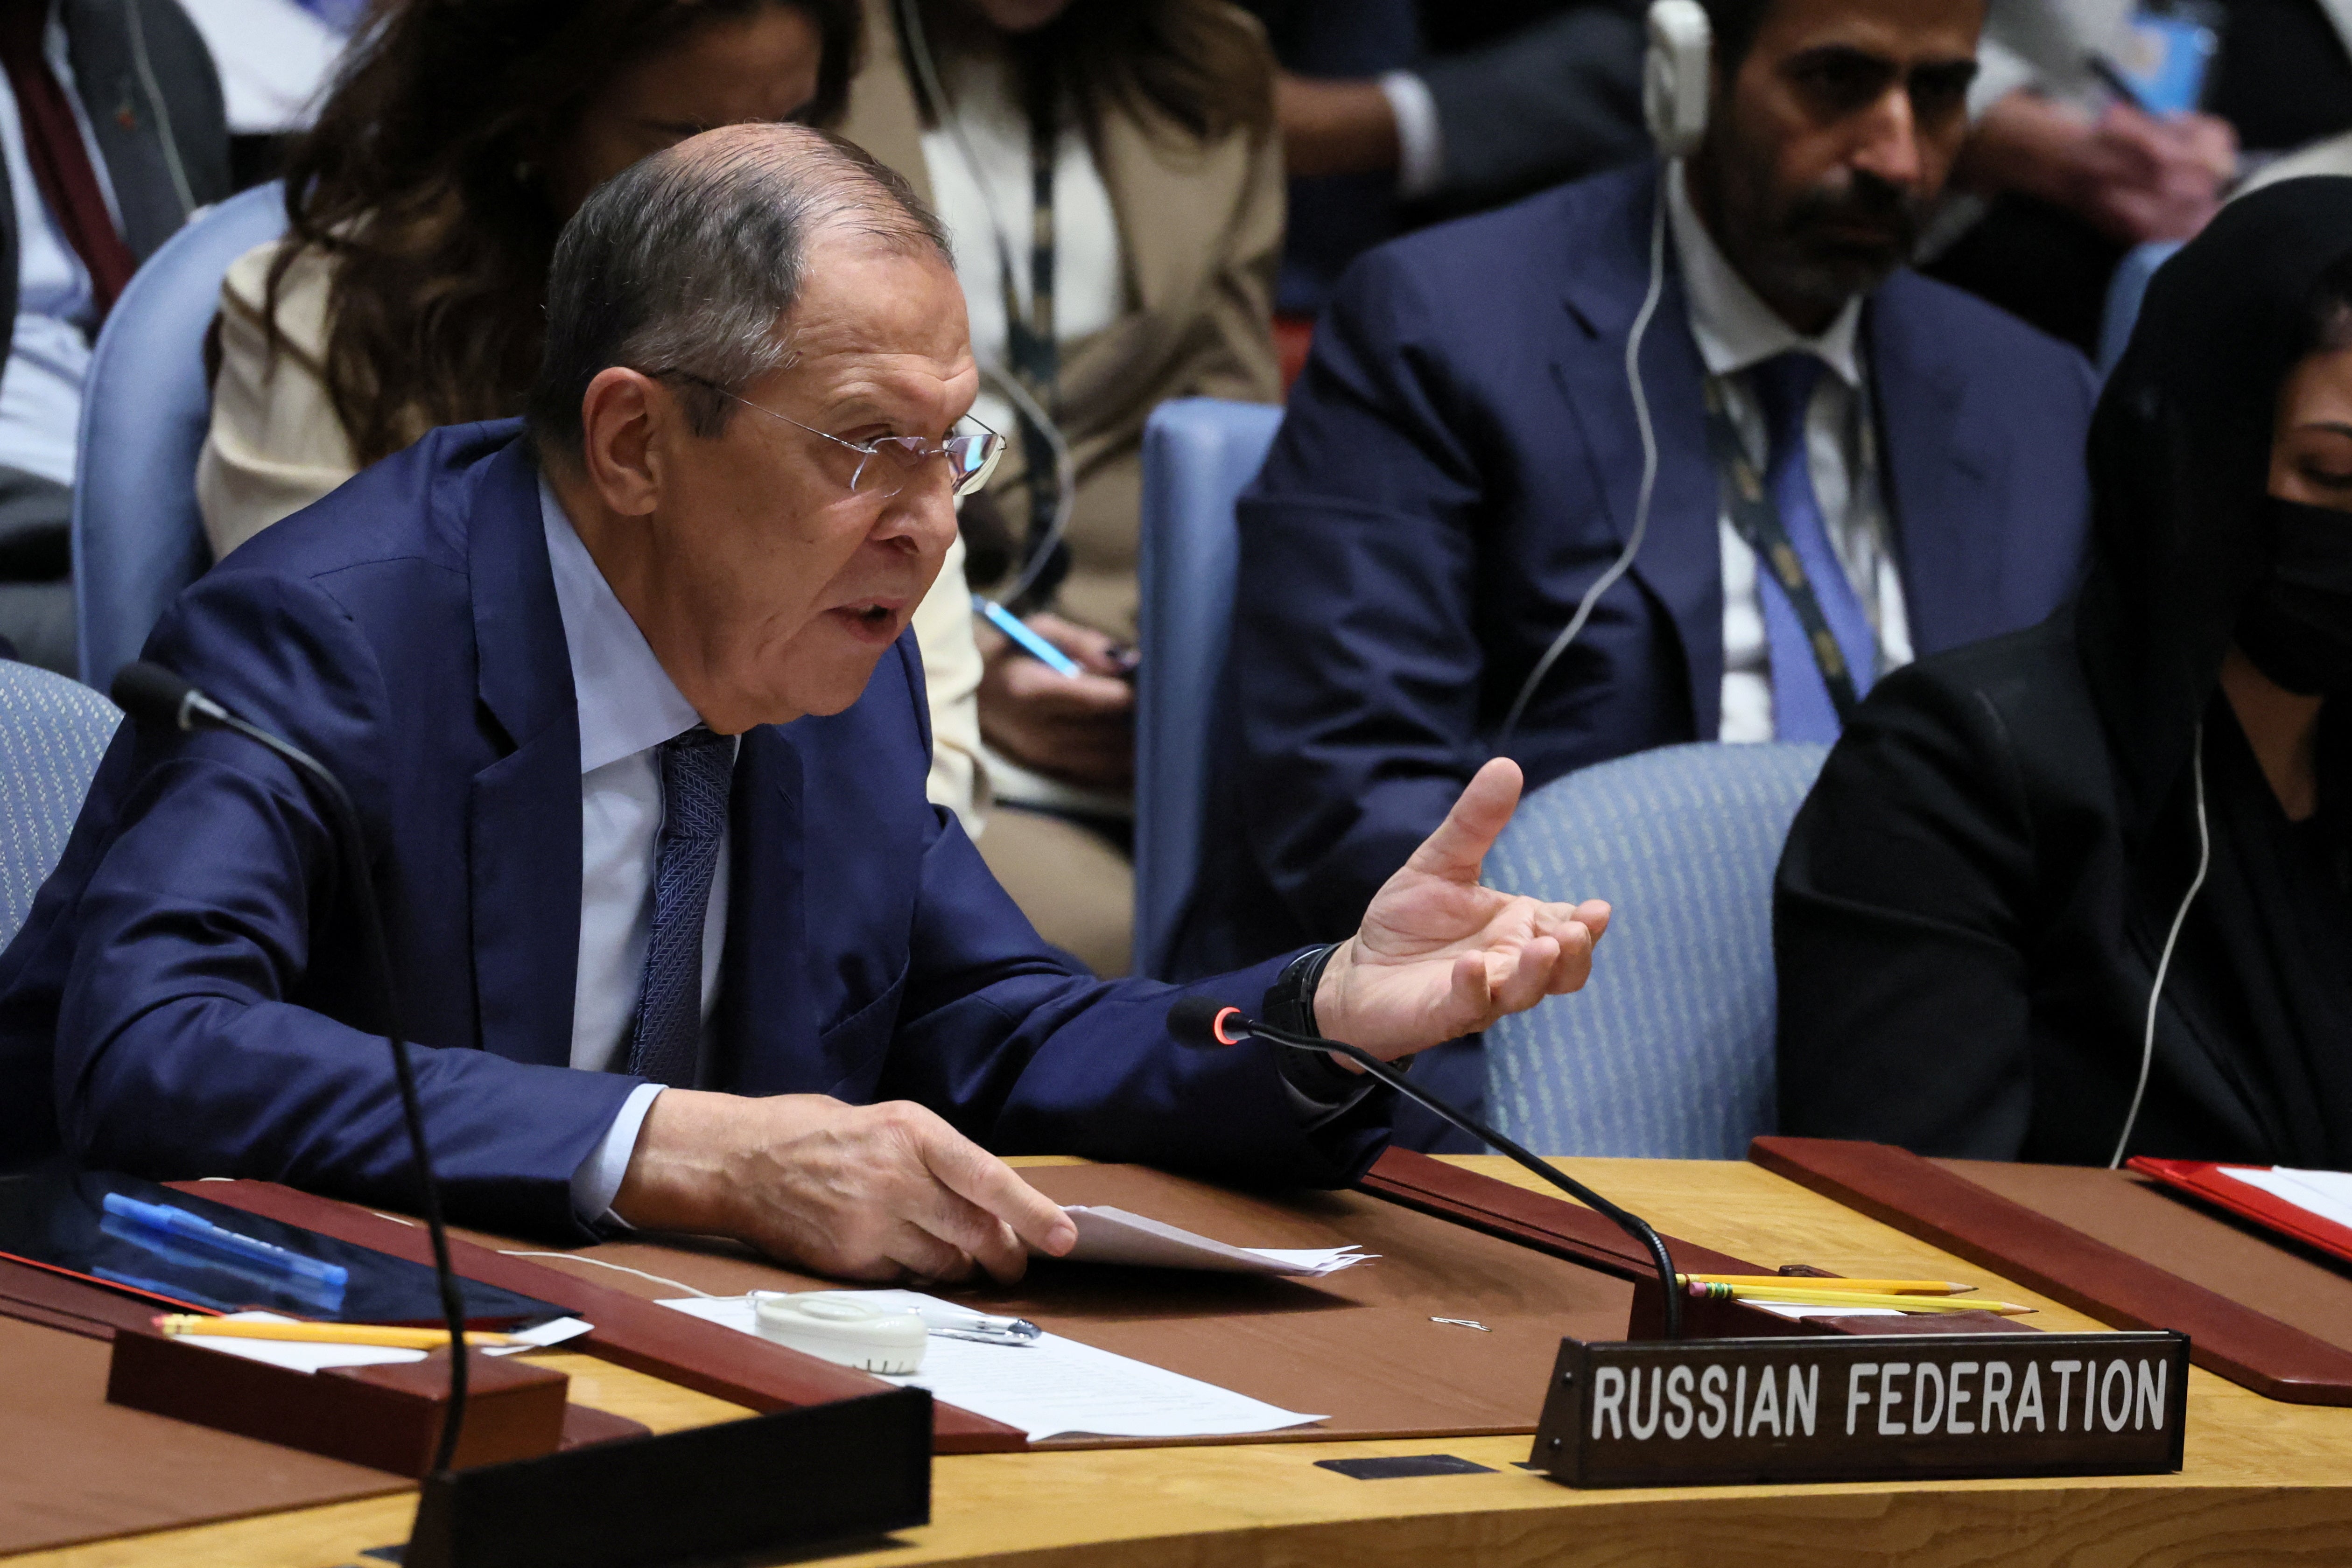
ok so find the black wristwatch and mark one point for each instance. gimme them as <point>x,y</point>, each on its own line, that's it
<point>1290,1005</point>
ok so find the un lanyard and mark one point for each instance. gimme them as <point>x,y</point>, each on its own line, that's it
<point>1757,520</point>
<point>1030,342</point>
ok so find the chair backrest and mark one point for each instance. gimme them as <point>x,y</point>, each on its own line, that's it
<point>1667,1053</point>
<point>2125,291</point>
<point>138,538</point>
<point>1199,454</point>
<point>52,732</point>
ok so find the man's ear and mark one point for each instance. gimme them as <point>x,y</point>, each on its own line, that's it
<point>622,415</point>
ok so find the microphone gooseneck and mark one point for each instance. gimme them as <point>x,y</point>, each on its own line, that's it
<point>1206,1022</point>
<point>152,695</point>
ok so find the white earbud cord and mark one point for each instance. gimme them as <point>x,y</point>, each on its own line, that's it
<point>2164,963</point>
<point>1624,561</point>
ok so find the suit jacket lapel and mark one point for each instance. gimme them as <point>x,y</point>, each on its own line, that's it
<point>1938,481</point>
<point>1680,563</point>
<point>525,846</point>
<point>121,122</point>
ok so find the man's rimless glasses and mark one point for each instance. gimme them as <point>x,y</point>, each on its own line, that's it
<point>888,463</point>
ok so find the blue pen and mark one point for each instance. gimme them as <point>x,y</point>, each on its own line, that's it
<point>1036,647</point>
<point>180,1223</point>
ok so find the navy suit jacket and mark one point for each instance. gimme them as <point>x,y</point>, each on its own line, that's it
<point>192,960</point>
<point>1459,463</point>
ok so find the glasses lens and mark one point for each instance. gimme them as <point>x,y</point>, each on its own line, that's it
<point>972,458</point>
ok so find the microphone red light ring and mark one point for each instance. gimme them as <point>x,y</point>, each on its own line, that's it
<point>1217,1026</point>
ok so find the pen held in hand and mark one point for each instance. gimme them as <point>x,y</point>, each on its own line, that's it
<point>1030,644</point>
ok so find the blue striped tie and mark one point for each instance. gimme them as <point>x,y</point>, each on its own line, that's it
<point>1802,709</point>
<point>697,768</point>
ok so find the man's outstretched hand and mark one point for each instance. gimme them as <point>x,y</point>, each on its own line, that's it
<point>1438,955</point>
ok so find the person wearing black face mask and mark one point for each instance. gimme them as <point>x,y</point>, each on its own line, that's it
<point>2297,628</point>
<point>2013,841</point>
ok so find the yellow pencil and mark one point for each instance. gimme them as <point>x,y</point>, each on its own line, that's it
<point>1799,1298</point>
<point>326,1334</point>
<point>1811,1283</point>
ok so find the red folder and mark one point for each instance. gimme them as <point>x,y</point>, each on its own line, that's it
<point>2211,1182</point>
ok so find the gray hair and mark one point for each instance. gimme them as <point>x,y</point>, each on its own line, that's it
<point>686,264</point>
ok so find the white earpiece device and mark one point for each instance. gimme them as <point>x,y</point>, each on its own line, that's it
<point>1675,84</point>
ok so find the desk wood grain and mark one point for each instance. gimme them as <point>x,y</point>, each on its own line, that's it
<point>2264,1483</point>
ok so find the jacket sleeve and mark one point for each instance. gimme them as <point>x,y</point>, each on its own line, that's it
<point>1556,100</point>
<point>1356,664</point>
<point>204,909</point>
<point>1242,365</point>
<point>1024,1056</point>
<point>1901,932</point>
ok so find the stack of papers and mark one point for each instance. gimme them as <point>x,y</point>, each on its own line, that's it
<point>1115,1236</point>
<point>2328,1194</point>
<point>1050,1386</point>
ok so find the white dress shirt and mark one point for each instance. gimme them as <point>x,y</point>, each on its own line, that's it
<point>1735,331</point>
<point>628,707</point>
<point>48,345</point>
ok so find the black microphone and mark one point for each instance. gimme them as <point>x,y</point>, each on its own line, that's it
<point>1205,1022</point>
<point>153,696</point>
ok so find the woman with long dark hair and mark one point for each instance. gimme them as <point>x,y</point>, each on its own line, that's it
<point>2086,891</point>
<point>423,207</point>
<point>1110,171</point>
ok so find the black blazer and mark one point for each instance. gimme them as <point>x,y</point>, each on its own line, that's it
<point>1966,939</point>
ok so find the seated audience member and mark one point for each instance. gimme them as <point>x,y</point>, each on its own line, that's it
<point>111,134</point>
<point>1109,175</point>
<point>624,690</point>
<point>2015,841</point>
<point>457,142</point>
<point>1461,465</point>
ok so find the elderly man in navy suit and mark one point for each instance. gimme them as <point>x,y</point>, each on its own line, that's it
<point>1462,464</point>
<point>629,709</point>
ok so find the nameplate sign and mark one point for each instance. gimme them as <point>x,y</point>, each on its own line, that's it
<point>1864,1407</point>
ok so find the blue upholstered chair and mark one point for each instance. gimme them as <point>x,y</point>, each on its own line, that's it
<point>1199,454</point>
<point>137,537</point>
<point>2125,291</point>
<point>52,732</point>
<point>1668,1052</point>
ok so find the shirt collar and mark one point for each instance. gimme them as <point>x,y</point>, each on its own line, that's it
<point>1734,329</point>
<point>627,701</point>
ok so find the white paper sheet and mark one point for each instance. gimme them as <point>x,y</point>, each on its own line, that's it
<point>1802,1310</point>
<point>2328,1194</point>
<point>1115,1236</point>
<point>304,1356</point>
<point>1052,1387</point>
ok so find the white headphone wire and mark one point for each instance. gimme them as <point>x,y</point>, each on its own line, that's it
<point>1624,561</point>
<point>2163,962</point>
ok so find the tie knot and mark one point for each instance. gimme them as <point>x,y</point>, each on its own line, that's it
<point>697,768</point>
<point>1784,386</point>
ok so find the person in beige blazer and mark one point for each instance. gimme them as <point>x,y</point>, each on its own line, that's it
<point>1167,220</point>
<point>622,78</point>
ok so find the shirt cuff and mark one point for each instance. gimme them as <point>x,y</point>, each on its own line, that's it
<point>1420,135</point>
<point>2001,71</point>
<point>597,1182</point>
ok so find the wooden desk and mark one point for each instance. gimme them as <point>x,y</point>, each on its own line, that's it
<point>2266,1483</point>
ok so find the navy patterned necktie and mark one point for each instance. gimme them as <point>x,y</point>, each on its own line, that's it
<point>697,768</point>
<point>1801,709</point>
